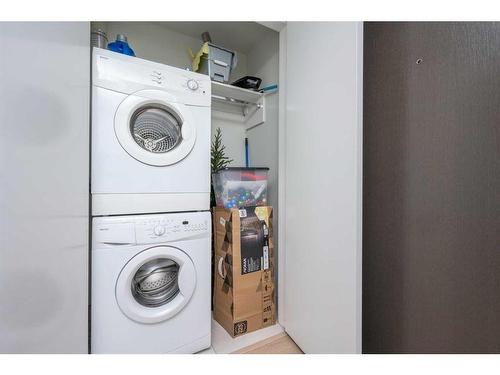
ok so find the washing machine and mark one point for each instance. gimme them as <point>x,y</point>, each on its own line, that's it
<point>151,283</point>
<point>150,142</point>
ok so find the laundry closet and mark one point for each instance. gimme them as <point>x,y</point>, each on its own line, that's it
<point>307,130</point>
<point>245,118</point>
<point>257,54</point>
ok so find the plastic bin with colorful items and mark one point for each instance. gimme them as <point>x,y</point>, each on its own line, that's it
<point>240,187</point>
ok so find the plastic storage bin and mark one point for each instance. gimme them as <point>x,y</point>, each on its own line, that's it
<point>218,64</point>
<point>240,187</point>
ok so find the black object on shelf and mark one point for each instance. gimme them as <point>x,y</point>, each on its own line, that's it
<point>248,82</point>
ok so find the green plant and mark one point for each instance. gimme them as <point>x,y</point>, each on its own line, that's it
<point>219,160</point>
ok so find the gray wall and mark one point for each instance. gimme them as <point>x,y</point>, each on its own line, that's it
<point>431,281</point>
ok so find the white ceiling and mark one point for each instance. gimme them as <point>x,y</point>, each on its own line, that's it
<point>239,36</point>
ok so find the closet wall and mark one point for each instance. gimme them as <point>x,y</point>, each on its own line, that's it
<point>263,62</point>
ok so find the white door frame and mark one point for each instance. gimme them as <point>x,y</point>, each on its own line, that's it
<point>281,177</point>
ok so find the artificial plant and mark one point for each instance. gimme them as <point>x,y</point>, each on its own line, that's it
<point>219,160</point>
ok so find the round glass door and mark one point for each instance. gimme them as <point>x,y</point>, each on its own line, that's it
<point>155,284</point>
<point>155,129</point>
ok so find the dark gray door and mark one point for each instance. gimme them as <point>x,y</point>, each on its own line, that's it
<point>431,222</point>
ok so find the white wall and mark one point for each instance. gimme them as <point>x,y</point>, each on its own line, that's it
<point>44,186</point>
<point>233,132</point>
<point>263,62</point>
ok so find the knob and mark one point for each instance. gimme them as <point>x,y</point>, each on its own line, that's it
<point>192,85</point>
<point>159,230</point>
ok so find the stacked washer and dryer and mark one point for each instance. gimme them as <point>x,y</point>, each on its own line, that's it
<point>151,226</point>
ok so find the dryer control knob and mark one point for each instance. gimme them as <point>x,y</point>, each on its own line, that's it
<point>192,85</point>
<point>159,230</point>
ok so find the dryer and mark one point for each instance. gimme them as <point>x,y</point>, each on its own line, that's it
<point>151,283</point>
<point>150,137</point>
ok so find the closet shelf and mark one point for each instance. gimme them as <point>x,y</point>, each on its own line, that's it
<point>252,102</point>
<point>236,93</point>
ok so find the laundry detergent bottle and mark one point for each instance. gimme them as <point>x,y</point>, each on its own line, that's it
<point>120,45</point>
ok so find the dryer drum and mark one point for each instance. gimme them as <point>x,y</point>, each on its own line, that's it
<point>156,129</point>
<point>156,282</point>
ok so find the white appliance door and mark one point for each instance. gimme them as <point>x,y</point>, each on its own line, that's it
<point>322,183</point>
<point>44,180</point>
<point>156,284</point>
<point>154,130</point>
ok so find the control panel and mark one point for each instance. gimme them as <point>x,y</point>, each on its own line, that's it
<point>130,74</point>
<point>150,229</point>
<point>157,77</point>
<point>155,230</point>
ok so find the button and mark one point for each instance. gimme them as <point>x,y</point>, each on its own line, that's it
<point>159,230</point>
<point>192,85</point>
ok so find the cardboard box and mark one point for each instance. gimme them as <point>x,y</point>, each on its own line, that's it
<point>244,269</point>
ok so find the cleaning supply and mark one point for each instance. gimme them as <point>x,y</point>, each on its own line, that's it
<point>120,45</point>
